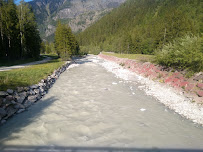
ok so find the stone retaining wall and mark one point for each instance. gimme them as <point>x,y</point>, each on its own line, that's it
<point>17,101</point>
<point>192,87</point>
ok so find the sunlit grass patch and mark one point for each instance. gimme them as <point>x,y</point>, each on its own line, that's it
<point>138,57</point>
<point>29,75</point>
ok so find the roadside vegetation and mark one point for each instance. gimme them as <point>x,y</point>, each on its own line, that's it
<point>29,75</point>
<point>138,57</point>
<point>184,53</point>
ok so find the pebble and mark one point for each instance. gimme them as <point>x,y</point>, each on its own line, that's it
<point>142,109</point>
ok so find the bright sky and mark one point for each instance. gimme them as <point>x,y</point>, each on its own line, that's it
<point>17,1</point>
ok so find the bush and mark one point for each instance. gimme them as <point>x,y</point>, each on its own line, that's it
<point>183,53</point>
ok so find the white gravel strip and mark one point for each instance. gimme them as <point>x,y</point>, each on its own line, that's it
<point>164,94</point>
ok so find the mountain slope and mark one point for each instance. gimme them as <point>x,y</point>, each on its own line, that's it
<point>78,13</point>
<point>141,26</point>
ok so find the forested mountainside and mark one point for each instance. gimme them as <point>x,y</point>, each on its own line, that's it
<point>79,14</point>
<point>142,26</point>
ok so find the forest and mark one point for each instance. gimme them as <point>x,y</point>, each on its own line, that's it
<point>20,37</point>
<point>157,27</point>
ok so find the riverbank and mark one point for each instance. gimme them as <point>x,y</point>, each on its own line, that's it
<point>16,101</point>
<point>182,95</point>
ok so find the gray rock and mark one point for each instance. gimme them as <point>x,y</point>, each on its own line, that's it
<point>41,90</point>
<point>3,94</point>
<point>36,91</point>
<point>13,102</point>
<point>20,89</point>
<point>27,103</point>
<point>32,92</point>
<point>2,112</point>
<point>34,86</point>
<point>20,111</point>
<point>23,94</point>
<point>19,106</point>
<point>39,97</point>
<point>9,98</point>
<point>9,91</point>
<point>10,111</point>
<point>26,88</point>
<point>41,84</point>
<point>20,99</point>
<point>42,81</point>
<point>32,98</point>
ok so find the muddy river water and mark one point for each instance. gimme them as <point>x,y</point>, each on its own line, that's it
<point>89,109</point>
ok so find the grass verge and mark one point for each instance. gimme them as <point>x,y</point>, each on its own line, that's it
<point>138,57</point>
<point>28,76</point>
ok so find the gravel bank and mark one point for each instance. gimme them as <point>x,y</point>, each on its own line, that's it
<point>164,94</point>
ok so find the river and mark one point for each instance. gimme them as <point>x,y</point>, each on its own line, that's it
<point>89,109</point>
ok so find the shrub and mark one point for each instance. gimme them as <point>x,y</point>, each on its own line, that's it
<point>183,53</point>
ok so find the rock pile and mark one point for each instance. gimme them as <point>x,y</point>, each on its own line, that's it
<point>17,101</point>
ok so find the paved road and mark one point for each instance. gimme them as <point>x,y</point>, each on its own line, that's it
<point>89,109</point>
<point>7,68</point>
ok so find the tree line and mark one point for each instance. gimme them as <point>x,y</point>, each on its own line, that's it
<point>20,37</point>
<point>142,26</point>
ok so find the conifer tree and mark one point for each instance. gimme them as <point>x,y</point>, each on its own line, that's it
<point>29,35</point>
<point>19,37</point>
<point>65,42</point>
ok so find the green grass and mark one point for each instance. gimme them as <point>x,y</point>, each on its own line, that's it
<point>27,76</point>
<point>138,57</point>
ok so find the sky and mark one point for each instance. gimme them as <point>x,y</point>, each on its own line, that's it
<point>17,1</point>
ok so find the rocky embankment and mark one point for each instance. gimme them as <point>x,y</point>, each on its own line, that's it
<point>178,93</point>
<point>17,101</point>
<point>190,87</point>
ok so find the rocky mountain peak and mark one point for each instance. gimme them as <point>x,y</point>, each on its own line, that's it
<point>79,14</point>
